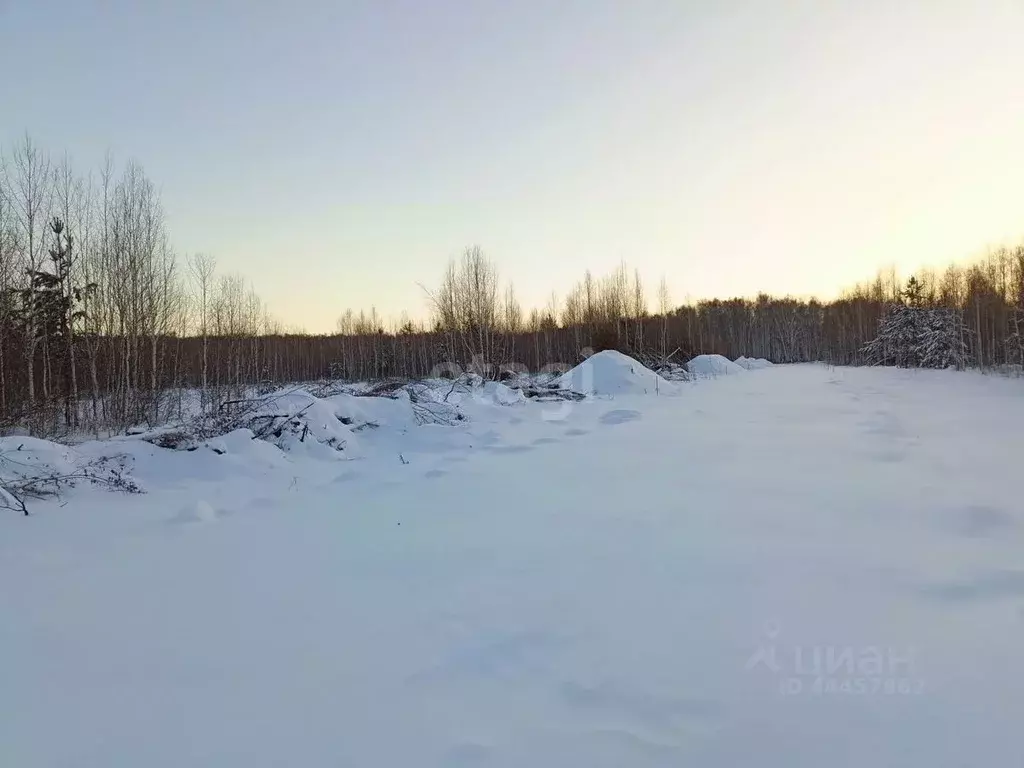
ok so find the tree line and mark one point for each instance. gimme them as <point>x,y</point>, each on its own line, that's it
<point>98,314</point>
<point>104,326</point>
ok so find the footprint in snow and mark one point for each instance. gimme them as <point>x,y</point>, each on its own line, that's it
<point>435,473</point>
<point>575,432</point>
<point>545,440</point>
<point>621,417</point>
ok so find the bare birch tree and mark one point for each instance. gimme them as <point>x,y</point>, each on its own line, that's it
<point>30,189</point>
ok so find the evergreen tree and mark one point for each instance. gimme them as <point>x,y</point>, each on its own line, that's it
<point>1015,338</point>
<point>897,339</point>
<point>913,294</point>
<point>916,337</point>
<point>941,345</point>
<point>48,305</point>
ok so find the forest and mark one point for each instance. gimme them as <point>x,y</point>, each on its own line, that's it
<point>103,325</point>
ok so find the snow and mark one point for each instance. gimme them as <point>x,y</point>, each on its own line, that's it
<point>32,467</point>
<point>798,568</point>
<point>752,363</point>
<point>710,366</point>
<point>26,456</point>
<point>312,426</point>
<point>612,373</point>
<point>501,394</point>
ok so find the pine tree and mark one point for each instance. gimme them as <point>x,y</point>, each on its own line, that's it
<point>913,294</point>
<point>48,306</point>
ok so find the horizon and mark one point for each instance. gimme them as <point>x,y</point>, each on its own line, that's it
<point>734,150</point>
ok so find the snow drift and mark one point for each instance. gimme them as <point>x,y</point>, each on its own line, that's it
<point>298,421</point>
<point>712,365</point>
<point>753,363</point>
<point>34,468</point>
<point>500,394</point>
<point>613,373</point>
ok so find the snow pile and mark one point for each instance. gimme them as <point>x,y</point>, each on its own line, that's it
<point>29,466</point>
<point>712,365</point>
<point>499,394</point>
<point>673,371</point>
<point>613,373</point>
<point>433,401</point>
<point>35,468</point>
<point>753,363</point>
<point>470,387</point>
<point>364,413</point>
<point>24,457</point>
<point>236,442</point>
<point>296,421</point>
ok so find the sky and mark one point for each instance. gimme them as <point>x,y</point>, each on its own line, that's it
<point>340,152</point>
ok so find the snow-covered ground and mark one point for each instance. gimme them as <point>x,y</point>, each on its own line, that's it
<point>796,566</point>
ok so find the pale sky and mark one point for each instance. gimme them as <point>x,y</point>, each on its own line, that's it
<point>338,152</point>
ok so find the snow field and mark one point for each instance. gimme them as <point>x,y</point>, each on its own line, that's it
<point>801,567</point>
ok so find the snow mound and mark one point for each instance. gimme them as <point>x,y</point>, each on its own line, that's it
<point>25,457</point>
<point>613,373</point>
<point>499,394</point>
<point>712,365</point>
<point>753,363</point>
<point>673,372</point>
<point>467,389</point>
<point>32,467</point>
<point>298,422</point>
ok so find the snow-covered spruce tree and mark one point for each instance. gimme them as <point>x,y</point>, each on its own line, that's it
<point>941,344</point>
<point>911,335</point>
<point>914,337</point>
<point>897,342</point>
<point>1015,338</point>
